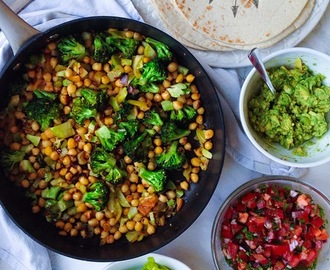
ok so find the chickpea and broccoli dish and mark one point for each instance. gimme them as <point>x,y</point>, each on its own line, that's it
<point>297,113</point>
<point>105,133</point>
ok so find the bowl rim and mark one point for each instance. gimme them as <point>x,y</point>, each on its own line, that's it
<point>245,187</point>
<point>242,114</point>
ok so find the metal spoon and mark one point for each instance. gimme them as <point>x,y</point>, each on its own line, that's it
<point>256,61</point>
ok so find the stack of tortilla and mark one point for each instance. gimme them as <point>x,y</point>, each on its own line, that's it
<point>226,25</point>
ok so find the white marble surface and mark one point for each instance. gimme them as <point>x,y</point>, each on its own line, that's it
<point>193,246</point>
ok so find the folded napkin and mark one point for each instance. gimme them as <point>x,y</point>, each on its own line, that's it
<point>21,252</point>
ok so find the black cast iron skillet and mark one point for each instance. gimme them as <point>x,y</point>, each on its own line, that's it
<point>196,199</point>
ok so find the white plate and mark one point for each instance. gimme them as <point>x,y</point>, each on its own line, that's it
<point>137,263</point>
<point>237,58</point>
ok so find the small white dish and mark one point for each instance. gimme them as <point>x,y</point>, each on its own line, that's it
<point>137,263</point>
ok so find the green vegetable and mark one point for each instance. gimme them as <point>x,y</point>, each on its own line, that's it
<point>97,195</point>
<point>102,50</point>
<point>127,46</point>
<point>151,264</point>
<point>9,158</point>
<point>70,48</point>
<point>109,138</point>
<point>163,51</point>
<point>296,114</point>
<point>157,178</point>
<point>138,147</point>
<point>44,108</point>
<point>64,130</point>
<point>171,132</point>
<point>105,165</point>
<point>172,158</point>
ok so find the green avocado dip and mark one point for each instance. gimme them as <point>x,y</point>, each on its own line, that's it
<point>296,113</point>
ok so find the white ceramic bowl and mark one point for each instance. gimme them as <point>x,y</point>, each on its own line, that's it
<point>317,153</point>
<point>137,263</point>
<point>319,198</point>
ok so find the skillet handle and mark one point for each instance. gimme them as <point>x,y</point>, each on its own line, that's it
<point>16,30</point>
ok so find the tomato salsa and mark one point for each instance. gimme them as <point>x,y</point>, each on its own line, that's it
<point>273,227</point>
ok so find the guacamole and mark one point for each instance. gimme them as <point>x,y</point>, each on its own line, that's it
<point>296,113</point>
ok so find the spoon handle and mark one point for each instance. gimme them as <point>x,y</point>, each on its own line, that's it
<point>256,61</point>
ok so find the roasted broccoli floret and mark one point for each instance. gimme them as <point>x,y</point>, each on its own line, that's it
<point>152,118</point>
<point>127,46</point>
<point>88,104</point>
<point>184,116</point>
<point>95,99</point>
<point>105,165</point>
<point>9,158</point>
<point>102,50</point>
<point>137,148</point>
<point>171,132</point>
<point>131,127</point>
<point>172,158</point>
<point>44,108</point>
<point>97,195</point>
<point>70,48</point>
<point>157,178</point>
<point>153,71</point>
<point>163,51</point>
<point>110,138</point>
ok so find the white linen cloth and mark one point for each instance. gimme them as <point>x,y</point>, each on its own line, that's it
<point>21,252</point>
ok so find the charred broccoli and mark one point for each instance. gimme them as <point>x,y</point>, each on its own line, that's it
<point>172,158</point>
<point>127,46</point>
<point>152,118</point>
<point>137,148</point>
<point>157,179</point>
<point>163,51</point>
<point>153,71</point>
<point>105,165</point>
<point>44,108</point>
<point>97,195</point>
<point>102,50</point>
<point>110,138</point>
<point>184,116</point>
<point>70,48</point>
<point>171,132</point>
<point>88,104</point>
<point>9,158</point>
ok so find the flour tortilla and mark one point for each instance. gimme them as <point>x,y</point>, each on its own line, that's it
<point>181,30</point>
<point>247,30</point>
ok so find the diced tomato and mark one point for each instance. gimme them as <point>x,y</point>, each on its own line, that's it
<point>274,212</point>
<point>235,228</point>
<point>232,249</point>
<point>303,200</point>
<point>301,215</point>
<point>260,258</point>
<point>249,200</point>
<point>279,265</point>
<point>317,222</point>
<point>226,232</point>
<point>294,260</point>
<point>229,213</point>
<point>308,257</point>
<point>307,244</point>
<point>242,217</point>
<point>256,223</point>
<point>278,250</point>
<point>241,265</point>
<point>242,255</point>
<point>240,207</point>
<point>298,230</point>
<point>323,236</point>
